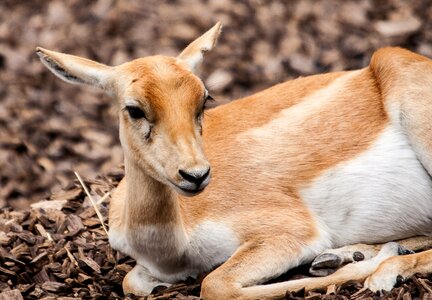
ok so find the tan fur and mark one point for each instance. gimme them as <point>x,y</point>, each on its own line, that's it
<point>409,91</point>
<point>262,150</point>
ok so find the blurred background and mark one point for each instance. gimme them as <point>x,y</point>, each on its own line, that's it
<point>49,128</point>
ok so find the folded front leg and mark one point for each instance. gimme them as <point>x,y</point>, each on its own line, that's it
<point>254,263</point>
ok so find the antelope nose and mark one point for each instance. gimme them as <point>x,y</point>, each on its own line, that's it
<point>195,176</point>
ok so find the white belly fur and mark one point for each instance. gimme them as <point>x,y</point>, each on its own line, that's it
<point>382,194</point>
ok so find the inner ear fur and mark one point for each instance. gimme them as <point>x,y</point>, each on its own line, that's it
<point>193,54</point>
<point>74,69</point>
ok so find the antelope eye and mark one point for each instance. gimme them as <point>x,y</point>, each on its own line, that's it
<point>206,100</point>
<point>209,98</point>
<point>135,112</point>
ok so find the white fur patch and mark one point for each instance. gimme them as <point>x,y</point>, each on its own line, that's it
<point>169,254</point>
<point>212,243</point>
<point>381,195</point>
<point>118,241</point>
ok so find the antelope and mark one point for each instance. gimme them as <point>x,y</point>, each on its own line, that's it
<point>318,169</point>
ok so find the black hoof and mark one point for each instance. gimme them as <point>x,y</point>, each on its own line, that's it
<point>327,260</point>
<point>358,256</point>
<point>404,251</point>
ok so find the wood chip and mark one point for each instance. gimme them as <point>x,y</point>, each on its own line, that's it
<point>67,195</point>
<point>40,260</point>
<point>88,213</point>
<point>424,285</point>
<point>41,277</point>
<point>87,261</point>
<point>28,237</point>
<point>7,272</point>
<point>5,239</point>
<point>54,287</point>
<point>37,293</point>
<point>313,296</point>
<point>407,296</point>
<point>25,288</point>
<point>82,278</point>
<point>74,225</point>
<point>51,204</point>
<point>11,295</point>
<point>20,250</point>
<point>41,230</point>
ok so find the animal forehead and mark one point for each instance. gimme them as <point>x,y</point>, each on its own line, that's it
<point>161,79</point>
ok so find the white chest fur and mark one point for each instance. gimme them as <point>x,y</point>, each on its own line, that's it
<point>170,254</point>
<point>383,194</point>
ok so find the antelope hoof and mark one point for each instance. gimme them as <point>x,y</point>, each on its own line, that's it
<point>404,251</point>
<point>325,264</point>
<point>327,260</point>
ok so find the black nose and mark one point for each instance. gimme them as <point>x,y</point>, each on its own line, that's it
<point>197,176</point>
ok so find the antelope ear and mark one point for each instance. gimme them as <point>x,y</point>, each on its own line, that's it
<point>193,54</point>
<point>74,69</point>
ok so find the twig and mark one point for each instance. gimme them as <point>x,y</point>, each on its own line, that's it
<point>101,200</point>
<point>93,202</point>
<point>49,237</point>
<point>71,257</point>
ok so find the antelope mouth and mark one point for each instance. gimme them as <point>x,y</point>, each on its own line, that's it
<point>186,191</point>
<point>192,192</point>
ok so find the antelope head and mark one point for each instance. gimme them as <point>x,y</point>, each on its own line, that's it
<point>161,104</point>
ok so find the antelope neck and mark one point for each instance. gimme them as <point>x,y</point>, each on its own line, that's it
<point>148,201</point>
